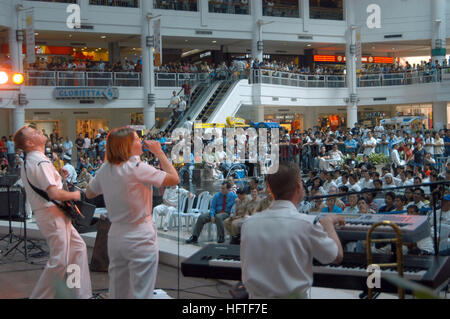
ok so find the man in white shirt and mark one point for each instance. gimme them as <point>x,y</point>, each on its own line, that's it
<point>353,208</point>
<point>71,177</point>
<point>429,143</point>
<point>395,156</point>
<point>65,244</point>
<point>292,239</point>
<point>369,144</point>
<point>67,147</point>
<point>365,181</point>
<point>170,204</point>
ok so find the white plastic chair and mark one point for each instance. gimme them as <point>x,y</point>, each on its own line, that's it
<point>444,242</point>
<point>197,208</point>
<point>189,214</point>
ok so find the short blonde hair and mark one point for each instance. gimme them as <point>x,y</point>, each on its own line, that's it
<point>20,138</point>
<point>118,145</point>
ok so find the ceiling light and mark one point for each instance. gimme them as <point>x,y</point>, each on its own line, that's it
<point>36,34</point>
<point>308,45</point>
<point>103,36</point>
<point>214,41</point>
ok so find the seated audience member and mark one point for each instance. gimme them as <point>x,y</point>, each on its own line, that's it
<point>424,246</point>
<point>318,204</point>
<point>353,208</point>
<point>238,214</point>
<point>369,197</point>
<point>363,208</point>
<point>331,206</point>
<point>221,206</point>
<point>169,205</point>
<point>399,204</point>
<point>389,203</point>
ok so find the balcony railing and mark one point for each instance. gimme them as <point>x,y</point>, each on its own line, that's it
<point>119,79</point>
<point>299,80</point>
<point>338,81</point>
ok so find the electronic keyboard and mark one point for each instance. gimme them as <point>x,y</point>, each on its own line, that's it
<point>413,227</point>
<point>223,262</point>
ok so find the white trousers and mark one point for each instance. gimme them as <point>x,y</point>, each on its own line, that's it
<point>66,248</point>
<point>133,260</point>
<point>163,210</point>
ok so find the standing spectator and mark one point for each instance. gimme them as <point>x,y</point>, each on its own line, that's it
<point>11,152</point>
<point>369,144</point>
<point>3,149</point>
<point>102,147</point>
<point>187,92</point>
<point>428,143</point>
<point>447,142</point>
<point>87,145</point>
<point>79,146</point>
<point>181,107</point>
<point>419,155</point>
<point>439,143</point>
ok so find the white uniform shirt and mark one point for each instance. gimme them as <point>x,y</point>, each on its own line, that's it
<point>363,183</point>
<point>72,177</point>
<point>277,249</point>
<point>171,195</point>
<point>127,189</point>
<point>372,142</point>
<point>42,174</point>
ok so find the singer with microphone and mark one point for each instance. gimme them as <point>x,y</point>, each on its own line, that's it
<point>66,246</point>
<point>126,184</point>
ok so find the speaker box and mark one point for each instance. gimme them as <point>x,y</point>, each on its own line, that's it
<point>100,260</point>
<point>15,200</point>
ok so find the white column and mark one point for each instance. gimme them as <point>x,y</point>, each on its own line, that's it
<point>256,10</point>
<point>15,48</point>
<point>352,103</point>
<point>439,115</point>
<point>304,13</point>
<point>438,27</point>
<point>310,117</point>
<point>148,74</point>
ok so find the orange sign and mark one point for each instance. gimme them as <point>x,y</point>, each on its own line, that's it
<point>364,59</point>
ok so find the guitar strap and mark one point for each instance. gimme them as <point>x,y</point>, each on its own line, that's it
<point>38,191</point>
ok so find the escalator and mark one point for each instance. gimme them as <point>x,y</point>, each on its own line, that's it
<point>214,101</point>
<point>196,96</point>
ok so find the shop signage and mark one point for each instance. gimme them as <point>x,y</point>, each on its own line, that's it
<point>86,93</point>
<point>364,59</point>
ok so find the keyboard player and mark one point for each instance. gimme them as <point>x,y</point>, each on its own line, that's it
<point>278,245</point>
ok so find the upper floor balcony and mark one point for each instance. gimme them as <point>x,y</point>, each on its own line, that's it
<point>133,79</point>
<point>117,79</point>
<point>340,81</point>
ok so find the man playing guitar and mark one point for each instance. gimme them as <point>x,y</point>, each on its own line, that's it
<point>66,246</point>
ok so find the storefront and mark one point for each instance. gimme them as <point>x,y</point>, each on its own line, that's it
<point>417,110</point>
<point>290,121</point>
<point>91,126</point>
<point>333,121</point>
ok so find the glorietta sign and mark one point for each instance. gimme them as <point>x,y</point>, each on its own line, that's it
<point>82,93</point>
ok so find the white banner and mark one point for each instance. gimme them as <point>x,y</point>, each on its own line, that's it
<point>358,49</point>
<point>158,42</point>
<point>30,40</point>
